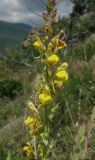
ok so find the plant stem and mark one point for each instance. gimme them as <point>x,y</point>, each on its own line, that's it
<point>35,148</point>
<point>45,132</point>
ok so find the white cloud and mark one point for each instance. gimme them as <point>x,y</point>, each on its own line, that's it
<point>18,11</point>
<point>9,5</point>
<point>64,8</point>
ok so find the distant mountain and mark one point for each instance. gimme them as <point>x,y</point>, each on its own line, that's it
<point>11,35</point>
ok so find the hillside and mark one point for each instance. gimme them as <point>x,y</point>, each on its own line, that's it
<point>12,34</point>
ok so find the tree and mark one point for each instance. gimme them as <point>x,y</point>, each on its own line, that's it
<point>83,6</point>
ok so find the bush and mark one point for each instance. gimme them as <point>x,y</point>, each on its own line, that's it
<point>2,153</point>
<point>10,88</point>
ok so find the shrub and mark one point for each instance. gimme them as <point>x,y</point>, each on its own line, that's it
<point>2,153</point>
<point>10,88</point>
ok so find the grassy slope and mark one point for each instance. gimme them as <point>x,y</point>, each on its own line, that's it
<point>12,34</point>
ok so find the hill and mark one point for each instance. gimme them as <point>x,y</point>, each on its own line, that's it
<point>12,34</point>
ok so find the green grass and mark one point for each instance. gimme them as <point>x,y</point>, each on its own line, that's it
<point>82,51</point>
<point>12,130</point>
<point>79,98</point>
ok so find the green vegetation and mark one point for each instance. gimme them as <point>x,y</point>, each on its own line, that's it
<point>83,6</point>
<point>79,95</point>
<point>10,88</point>
<point>74,128</point>
<point>12,35</point>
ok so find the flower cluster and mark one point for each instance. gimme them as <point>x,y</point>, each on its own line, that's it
<point>53,77</point>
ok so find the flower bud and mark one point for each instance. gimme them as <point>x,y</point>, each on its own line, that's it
<point>45,15</point>
<point>61,75</point>
<point>53,59</point>
<point>45,99</point>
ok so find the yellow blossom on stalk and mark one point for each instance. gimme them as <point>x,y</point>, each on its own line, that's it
<point>34,125</point>
<point>39,45</point>
<point>28,150</point>
<point>60,44</point>
<point>51,79</point>
<point>30,121</point>
<point>62,75</point>
<point>53,59</point>
<point>45,98</point>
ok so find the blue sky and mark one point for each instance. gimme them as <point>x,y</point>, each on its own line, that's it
<point>21,11</point>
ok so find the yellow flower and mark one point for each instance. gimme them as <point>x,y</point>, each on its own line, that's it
<point>53,59</point>
<point>62,75</point>
<point>28,150</point>
<point>34,125</point>
<point>39,45</point>
<point>44,95</point>
<point>60,44</point>
<point>30,121</point>
<point>45,98</point>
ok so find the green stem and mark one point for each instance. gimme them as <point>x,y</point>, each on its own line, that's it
<point>45,132</point>
<point>35,147</point>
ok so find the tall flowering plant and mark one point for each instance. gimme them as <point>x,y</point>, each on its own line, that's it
<point>52,79</point>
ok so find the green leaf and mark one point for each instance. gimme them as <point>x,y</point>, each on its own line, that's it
<point>9,156</point>
<point>53,111</point>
